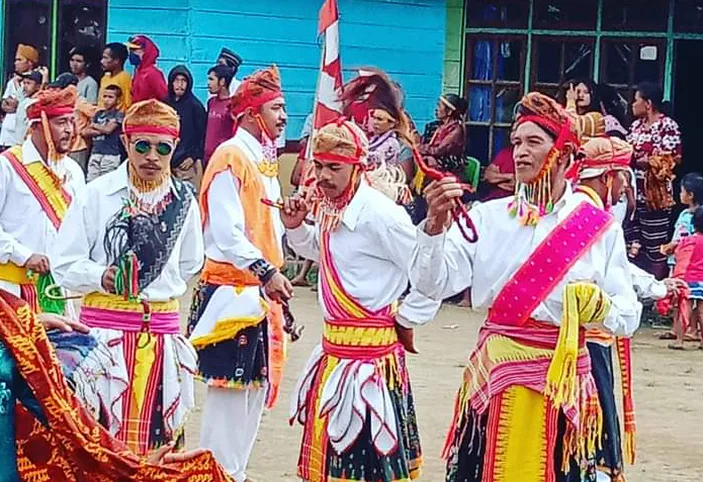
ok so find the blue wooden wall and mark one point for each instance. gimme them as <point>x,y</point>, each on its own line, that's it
<point>403,37</point>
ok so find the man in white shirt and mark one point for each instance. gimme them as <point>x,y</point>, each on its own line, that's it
<point>545,264</point>
<point>38,181</point>
<point>363,240</point>
<point>26,59</point>
<point>130,244</point>
<point>237,332</point>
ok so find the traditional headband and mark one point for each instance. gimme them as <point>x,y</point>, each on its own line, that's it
<point>151,129</point>
<point>35,111</point>
<point>446,102</point>
<point>332,157</point>
<point>255,102</point>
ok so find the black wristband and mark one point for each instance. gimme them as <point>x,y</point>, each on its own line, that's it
<point>262,270</point>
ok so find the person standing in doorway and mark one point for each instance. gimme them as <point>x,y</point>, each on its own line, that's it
<point>26,59</point>
<point>114,57</point>
<point>105,131</point>
<point>656,140</point>
<point>219,118</point>
<point>87,86</point>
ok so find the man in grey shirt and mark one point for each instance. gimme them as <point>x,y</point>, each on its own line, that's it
<point>87,86</point>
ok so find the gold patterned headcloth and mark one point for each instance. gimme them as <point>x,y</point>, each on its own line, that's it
<point>28,52</point>
<point>151,117</point>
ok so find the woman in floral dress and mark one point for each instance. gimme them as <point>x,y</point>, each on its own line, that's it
<point>656,140</point>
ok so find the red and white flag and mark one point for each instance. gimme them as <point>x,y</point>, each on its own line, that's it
<point>328,107</point>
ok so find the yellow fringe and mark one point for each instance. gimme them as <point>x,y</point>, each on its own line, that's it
<point>418,181</point>
<point>583,303</point>
<point>118,303</point>
<point>630,447</point>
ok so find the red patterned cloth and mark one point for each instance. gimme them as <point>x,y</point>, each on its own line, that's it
<point>72,444</point>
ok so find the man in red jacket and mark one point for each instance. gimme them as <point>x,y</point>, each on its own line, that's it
<point>148,81</point>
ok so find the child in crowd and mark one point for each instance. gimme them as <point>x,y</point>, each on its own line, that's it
<point>105,131</point>
<point>691,196</point>
<point>689,268</point>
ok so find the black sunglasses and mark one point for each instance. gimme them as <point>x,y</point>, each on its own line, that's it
<point>162,148</point>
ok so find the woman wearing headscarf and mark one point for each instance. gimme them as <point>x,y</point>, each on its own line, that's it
<point>187,158</point>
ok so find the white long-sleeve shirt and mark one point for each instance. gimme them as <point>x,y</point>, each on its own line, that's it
<point>371,250</point>
<point>79,258</point>
<point>446,264</point>
<point>225,233</point>
<point>25,228</point>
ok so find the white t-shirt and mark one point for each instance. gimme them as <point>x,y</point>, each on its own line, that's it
<point>7,134</point>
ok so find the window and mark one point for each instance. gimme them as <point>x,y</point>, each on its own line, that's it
<point>497,13</point>
<point>494,85</point>
<point>83,23</point>
<point>688,16</point>
<point>565,14</point>
<point>79,22</point>
<point>557,60</point>
<point>28,22</point>
<point>635,15</point>
<point>626,63</point>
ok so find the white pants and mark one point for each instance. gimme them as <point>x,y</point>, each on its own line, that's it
<point>230,422</point>
<point>602,477</point>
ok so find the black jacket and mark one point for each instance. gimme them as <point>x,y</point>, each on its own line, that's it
<point>193,119</point>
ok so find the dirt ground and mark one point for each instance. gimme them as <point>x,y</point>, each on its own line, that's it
<point>668,398</point>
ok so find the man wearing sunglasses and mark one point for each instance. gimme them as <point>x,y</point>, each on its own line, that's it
<point>37,183</point>
<point>237,331</point>
<point>130,244</point>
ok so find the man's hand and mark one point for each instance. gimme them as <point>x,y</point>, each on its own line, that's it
<point>38,263</point>
<point>673,285</point>
<point>165,455</point>
<point>9,105</point>
<point>61,323</point>
<point>279,288</point>
<point>406,337</point>
<point>108,281</point>
<point>441,198</point>
<point>294,212</point>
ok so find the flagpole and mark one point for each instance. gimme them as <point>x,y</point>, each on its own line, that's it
<point>308,147</point>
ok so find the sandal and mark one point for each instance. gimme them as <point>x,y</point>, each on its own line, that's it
<point>302,282</point>
<point>667,336</point>
<point>673,346</point>
<point>690,337</point>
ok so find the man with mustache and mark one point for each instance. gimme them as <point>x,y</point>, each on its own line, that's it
<point>546,264</point>
<point>238,332</point>
<point>130,244</point>
<point>363,240</point>
<point>38,181</point>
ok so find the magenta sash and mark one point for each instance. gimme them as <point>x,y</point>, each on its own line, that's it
<point>167,323</point>
<point>548,264</point>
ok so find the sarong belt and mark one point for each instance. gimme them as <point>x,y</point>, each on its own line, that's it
<point>360,339</point>
<point>114,313</point>
<point>599,336</point>
<point>12,273</point>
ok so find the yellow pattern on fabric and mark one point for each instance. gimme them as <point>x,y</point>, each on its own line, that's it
<point>143,365</point>
<point>268,168</point>
<point>319,442</point>
<point>228,328</point>
<point>50,186</point>
<point>521,441</point>
<point>118,303</point>
<point>12,273</point>
<point>357,336</point>
<point>583,303</point>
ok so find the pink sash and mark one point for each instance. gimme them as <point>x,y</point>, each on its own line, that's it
<point>548,264</point>
<point>130,321</point>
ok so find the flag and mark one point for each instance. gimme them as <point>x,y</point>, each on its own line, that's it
<point>328,106</point>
